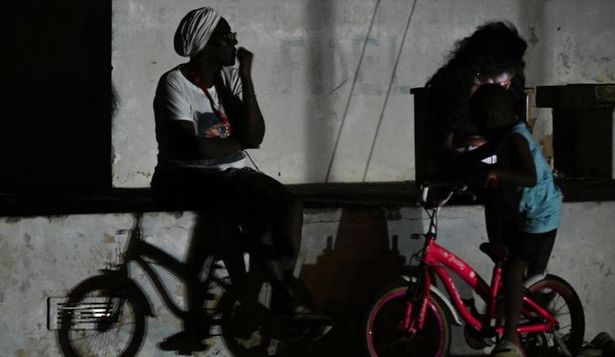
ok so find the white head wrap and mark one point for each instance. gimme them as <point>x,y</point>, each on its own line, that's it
<point>194,31</point>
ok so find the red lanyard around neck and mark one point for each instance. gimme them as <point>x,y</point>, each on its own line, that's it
<point>199,82</point>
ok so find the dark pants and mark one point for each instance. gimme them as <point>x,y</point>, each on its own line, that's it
<point>533,248</point>
<point>268,215</point>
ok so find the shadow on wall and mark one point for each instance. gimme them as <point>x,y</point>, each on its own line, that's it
<point>348,273</point>
<point>320,78</point>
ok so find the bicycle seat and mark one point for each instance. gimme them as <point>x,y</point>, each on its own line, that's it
<point>497,253</point>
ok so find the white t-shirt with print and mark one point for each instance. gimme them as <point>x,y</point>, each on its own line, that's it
<point>177,98</point>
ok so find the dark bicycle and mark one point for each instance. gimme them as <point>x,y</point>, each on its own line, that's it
<point>105,315</point>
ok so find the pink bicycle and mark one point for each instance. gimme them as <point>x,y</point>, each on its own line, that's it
<point>412,317</point>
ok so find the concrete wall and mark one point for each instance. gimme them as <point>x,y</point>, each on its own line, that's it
<point>345,256</point>
<point>333,77</point>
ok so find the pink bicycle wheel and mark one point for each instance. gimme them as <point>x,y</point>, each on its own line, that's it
<point>383,327</point>
<point>556,295</point>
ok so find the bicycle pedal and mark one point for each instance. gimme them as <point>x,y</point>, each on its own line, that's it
<point>476,340</point>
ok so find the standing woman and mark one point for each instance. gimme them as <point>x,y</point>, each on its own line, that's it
<point>491,54</point>
<point>206,114</point>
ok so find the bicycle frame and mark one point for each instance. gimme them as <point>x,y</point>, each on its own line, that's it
<point>438,259</point>
<point>145,254</point>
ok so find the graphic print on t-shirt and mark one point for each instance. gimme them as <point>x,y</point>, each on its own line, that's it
<point>210,125</point>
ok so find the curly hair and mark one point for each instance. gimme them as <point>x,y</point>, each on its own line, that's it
<point>493,48</point>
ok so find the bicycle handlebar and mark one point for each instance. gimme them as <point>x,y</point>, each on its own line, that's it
<point>443,193</point>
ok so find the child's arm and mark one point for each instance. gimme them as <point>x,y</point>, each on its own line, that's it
<point>518,169</point>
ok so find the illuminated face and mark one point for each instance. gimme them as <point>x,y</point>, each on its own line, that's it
<point>504,79</point>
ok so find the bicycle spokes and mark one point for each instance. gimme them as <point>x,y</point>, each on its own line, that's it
<point>391,327</point>
<point>93,314</point>
<point>99,321</point>
<point>564,323</point>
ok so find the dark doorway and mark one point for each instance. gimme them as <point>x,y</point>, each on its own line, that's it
<point>55,132</point>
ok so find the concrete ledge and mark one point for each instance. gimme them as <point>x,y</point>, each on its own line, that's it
<point>140,199</point>
<point>341,195</point>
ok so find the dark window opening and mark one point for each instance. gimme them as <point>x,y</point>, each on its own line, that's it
<point>582,128</point>
<point>55,133</point>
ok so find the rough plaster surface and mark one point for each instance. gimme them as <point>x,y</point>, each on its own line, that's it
<point>44,257</point>
<point>335,91</point>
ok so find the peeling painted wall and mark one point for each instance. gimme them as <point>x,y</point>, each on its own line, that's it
<point>45,256</point>
<point>333,89</point>
<point>317,65</point>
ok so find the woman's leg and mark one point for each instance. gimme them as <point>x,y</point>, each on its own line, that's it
<point>264,202</point>
<point>189,189</point>
<point>215,230</point>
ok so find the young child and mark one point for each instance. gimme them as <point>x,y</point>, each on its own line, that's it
<point>527,204</point>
